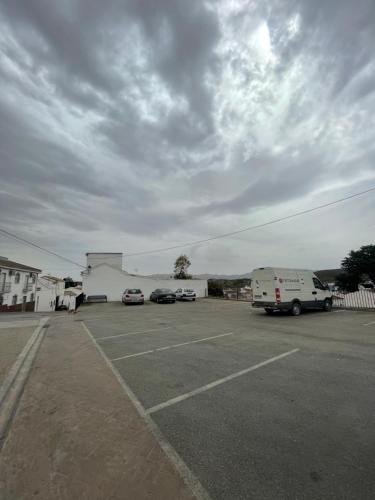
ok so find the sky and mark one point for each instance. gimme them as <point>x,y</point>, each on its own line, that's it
<point>132,125</point>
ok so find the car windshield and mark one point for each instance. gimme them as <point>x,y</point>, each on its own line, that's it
<point>165,290</point>
<point>134,291</point>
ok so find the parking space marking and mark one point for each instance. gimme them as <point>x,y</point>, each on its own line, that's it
<point>368,324</point>
<point>134,333</point>
<point>172,346</point>
<point>220,381</point>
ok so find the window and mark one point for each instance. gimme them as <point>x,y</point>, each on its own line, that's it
<point>14,300</point>
<point>24,299</point>
<point>32,278</point>
<point>1,300</point>
<point>17,278</point>
<point>318,284</point>
<point>32,297</point>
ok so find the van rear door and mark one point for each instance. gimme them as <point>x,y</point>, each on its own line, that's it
<point>263,285</point>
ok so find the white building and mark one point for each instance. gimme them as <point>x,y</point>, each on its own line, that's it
<point>17,286</point>
<point>49,293</point>
<point>105,276</point>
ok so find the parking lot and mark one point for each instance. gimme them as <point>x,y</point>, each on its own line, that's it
<point>256,406</point>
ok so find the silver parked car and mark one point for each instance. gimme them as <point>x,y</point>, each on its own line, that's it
<point>185,294</point>
<point>133,296</point>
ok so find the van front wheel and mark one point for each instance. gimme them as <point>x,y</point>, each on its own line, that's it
<point>327,305</point>
<point>296,309</point>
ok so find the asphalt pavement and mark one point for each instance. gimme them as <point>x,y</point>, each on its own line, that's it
<point>256,406</point>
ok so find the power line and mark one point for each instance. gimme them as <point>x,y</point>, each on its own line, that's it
<point>258,226</point>
<point>196,242</point>
<point>30,243</point>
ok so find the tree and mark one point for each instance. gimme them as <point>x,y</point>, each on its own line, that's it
<point>181,266</point>
<point>358,266</point>
<point>346,282</point>
<point>215,288</point>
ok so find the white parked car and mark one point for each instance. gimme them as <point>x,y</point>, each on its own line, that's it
<point>133,296</point>
<point>279,289</point>
<point>185,294</point>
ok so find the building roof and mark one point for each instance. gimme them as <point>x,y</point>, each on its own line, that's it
<point>10,264</point>
<point>52,278</point>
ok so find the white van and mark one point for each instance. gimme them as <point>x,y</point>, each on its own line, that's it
<point>280,289</point>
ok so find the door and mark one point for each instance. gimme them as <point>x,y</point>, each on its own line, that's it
<point>24,300</point>
<point>2,281</point>
<point>263,285</point>
<point>319,292</point>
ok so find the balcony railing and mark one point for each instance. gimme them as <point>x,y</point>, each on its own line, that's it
<point>5,287</point>
<point>28,287</point>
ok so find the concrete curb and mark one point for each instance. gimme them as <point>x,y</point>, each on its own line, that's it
<point>12,388</point>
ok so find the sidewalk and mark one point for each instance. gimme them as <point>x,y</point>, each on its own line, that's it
<point>76,434</point>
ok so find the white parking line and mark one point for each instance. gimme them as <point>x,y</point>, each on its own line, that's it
<point>172,346</point>
<point>220,381</point>
<point>134,333</point>
<point>368,324</point>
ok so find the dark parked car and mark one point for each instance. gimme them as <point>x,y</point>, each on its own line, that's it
<point>163,295</point>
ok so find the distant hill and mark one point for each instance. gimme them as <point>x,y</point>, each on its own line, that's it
<point>206,276</point>
<point>328,275</point>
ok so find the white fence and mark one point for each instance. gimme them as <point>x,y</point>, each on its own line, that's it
<point>363,299</point>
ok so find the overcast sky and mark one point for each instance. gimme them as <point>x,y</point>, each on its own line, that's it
<point>133,125</point>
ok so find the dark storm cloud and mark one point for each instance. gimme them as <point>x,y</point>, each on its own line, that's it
<point>282,180</point>
<point>29,159</point>
<point>339,34</point>
<point>65,35</point>
<point>83,38</point>
<point>125,111</point>
<point>68,188</point>
<point>83,45</point>
<point>182,38</point>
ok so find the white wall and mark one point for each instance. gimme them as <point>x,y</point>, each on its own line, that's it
<point>104,280</point>
<point>48,294</point>
<point>45,296</point>
<point>17,288</point>
<point>112,259</point>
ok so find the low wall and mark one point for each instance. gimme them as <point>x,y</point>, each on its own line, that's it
<point>104,280</point>
<point>28,307</point>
